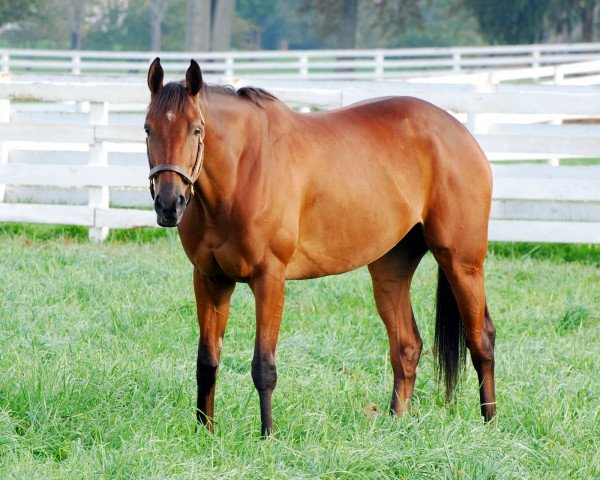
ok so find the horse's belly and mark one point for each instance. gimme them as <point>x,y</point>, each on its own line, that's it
<point>333,242</point>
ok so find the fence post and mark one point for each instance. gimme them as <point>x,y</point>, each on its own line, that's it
<point>456,58</point>
<point>98,196</point>
<point>379,65</point>
<point>4,118</point>
<point>535,57</point>
<point>5,62</point>
<point>304,66</point>
<point>559,75</point>
<point>76,64</point>
<point>229,69</point>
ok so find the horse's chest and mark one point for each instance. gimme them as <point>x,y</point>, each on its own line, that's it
<point>213,258</point>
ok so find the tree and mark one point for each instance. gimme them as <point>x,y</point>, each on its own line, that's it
<point>76,15</point>
<point>511,21</point>
<point>441,25</point>
<point>197,27</point>
<point>17,10</point>
<point>158,9</point>
<point>272,25</point>
<point>221,25</point>
<point>565,16</point>
<point>209,25</point>
<point>37,26</point>
<point>587,10</point>
<point>343,19</point>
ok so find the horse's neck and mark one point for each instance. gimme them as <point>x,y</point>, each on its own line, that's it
<point>224,144</point>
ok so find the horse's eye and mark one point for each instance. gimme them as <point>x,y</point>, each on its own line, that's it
<point>147,130</point>
<point>198,130</point>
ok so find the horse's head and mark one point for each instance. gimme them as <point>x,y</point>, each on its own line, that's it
<point>175,141</point>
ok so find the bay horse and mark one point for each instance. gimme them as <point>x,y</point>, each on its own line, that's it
<point>262,194</point>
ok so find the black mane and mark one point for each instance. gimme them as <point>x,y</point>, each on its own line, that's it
<point>172,97</point>
<point>253,94</point>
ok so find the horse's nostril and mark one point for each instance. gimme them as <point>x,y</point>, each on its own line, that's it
<point>181,200</point>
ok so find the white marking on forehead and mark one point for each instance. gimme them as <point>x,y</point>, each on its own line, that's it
<point>170,116</point>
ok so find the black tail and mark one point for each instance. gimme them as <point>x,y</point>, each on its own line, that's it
<point>450,343</point>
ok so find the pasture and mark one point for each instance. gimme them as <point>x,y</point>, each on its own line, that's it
<point>97,370</point>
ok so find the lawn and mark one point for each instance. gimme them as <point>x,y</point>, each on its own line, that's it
<point>97,371</point>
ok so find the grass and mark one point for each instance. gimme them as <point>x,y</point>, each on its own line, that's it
<point>97,352</point>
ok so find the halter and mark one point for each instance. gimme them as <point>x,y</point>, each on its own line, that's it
<point>169,167</point>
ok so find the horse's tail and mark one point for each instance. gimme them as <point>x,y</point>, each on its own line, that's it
<point>450,343</point>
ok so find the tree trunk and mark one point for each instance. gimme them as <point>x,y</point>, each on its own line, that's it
<point>348,24</point>
<point>76,18</point>
<point>197,26</point>
<point>588,15</point>
<point>223,13</point>
<point>157,14</point>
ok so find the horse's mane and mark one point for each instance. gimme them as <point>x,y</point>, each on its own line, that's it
<point>172,97</point>
<point>253,94</point>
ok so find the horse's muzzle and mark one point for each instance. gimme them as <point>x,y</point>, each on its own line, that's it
<point>169,209</point>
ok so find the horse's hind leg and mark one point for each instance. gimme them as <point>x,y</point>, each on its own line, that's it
<point>461,261</point>
<point>392,275</point>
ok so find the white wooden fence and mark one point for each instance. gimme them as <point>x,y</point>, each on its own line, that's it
<point>307,64</point>
<point>578,73</point>
<point>83,143</point>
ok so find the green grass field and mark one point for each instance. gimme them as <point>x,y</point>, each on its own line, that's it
<point>97,371</point>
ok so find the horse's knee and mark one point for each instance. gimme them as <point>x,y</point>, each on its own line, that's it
<point>264,373</point>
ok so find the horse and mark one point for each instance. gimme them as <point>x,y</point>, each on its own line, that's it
<point>262,194</point>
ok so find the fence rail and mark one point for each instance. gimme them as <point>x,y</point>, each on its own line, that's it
<point>376,64</point>
<point>82,143</point>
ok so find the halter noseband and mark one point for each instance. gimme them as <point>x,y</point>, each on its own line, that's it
<point>169,167</point>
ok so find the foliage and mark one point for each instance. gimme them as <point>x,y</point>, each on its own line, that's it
<point>441,26</point>
<point>97,373</point>
<point>277,24</point>
<point>44,29</point>
<point>125,27</point>
<point>376,20</point>
<point>511,21</point>
<point>573,18</point>
<point>17,10</point>
<point>303,24</point>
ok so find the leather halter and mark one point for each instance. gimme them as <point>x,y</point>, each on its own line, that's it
<point>169,167</point>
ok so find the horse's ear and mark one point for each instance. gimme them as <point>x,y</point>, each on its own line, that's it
<point>193,78</point>
<point>156,75</point>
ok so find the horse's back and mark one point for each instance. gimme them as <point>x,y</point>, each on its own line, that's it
<point>371,172</point>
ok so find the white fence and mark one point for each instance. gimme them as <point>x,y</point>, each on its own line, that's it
<point>83,143</point>
<point>307,64</point>
<point>578,73</point>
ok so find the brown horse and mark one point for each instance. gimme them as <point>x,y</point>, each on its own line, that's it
<point>262,194</point>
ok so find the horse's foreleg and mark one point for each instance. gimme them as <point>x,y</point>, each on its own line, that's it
<point>212,306</point>
<point>268,289</point>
